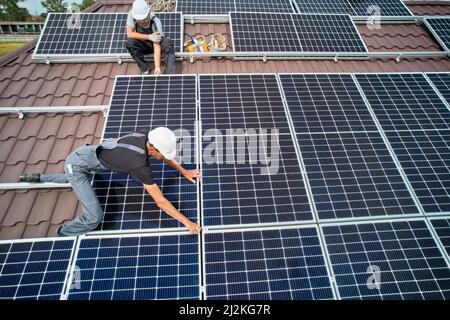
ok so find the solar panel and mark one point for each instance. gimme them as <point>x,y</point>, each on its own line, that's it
<point>142,103</point>
<point>442,228</point>
<point>294,33</point>
<point>328,33</point>
<point>263,6</point>
<point>379,7</point>
<point>241,193</point>
<point>442,83</point>
<point>205,6</point>
<point>325,103</point>
<point>34,270</point>
<point>404,101</point>
<point>95,34</point>
<point>211,7</point>
<point>244,118</point>
<point>425,159</point>
<point>137,268</point>
<point>82,33</point>
<point>285,264</point>
<point>387,260</point>
<point>352,175</point>
<point>355,7</point>
<point>245,101</point>
<point>264,32</point>
<point>441,28</point>
<point>324,6</point>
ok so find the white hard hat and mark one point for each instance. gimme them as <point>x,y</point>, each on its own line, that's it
<point>164,140</point>
<point>140,9</point>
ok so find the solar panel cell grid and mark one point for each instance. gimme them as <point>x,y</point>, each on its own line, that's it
<point>263,32</point>
<point>403,257</point>
<point>34,270</point>
<point>442,83</point>
<point>142,103</point>
<point>425,159</point>
<point>267,264</point>
<point>352,175</point>
<point>325,103</point>
<point>142,268</point>
<point>441,27</point>
<point>237,193</point>
<point>404,102</point>
<point>230,102</point>
<point>327,33</point>
<point>263,6</point>
<point>205,6</point>
<point>442,228</point>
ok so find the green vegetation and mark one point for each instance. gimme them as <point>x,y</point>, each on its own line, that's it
<point>6,47</point>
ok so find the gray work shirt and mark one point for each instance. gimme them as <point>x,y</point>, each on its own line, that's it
<point>156,25</point>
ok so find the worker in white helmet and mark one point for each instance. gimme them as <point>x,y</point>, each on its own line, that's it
<point>145,36</point>
<point>129,154</point>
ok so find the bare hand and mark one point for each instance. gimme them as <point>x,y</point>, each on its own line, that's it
<point>193,227</point>
<point>191,175</point>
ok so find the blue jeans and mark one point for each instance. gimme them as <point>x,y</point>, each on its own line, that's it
<point>80,168</point>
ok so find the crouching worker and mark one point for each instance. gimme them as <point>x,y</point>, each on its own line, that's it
<point>145,36</point>
<point>129,154</point>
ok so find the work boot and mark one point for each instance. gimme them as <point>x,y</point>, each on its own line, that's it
<point>29,177</point>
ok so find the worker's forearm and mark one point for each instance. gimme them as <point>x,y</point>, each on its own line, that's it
<point>137,36</point>
<point>168,208</point>
<point>157,51</point>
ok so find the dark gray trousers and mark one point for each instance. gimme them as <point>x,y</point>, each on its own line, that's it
<point>138,49</point>
<point>79,169</point>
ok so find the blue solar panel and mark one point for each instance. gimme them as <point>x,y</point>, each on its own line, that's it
<point>352,175</point>
<point>355,7</point>
<point>241,102</point>
<point>35,270</point>
<point>302,32</point>
<point>404,101</point>
<point>325,103</point>
<point>442,83</point>
<point>327,33</point>
<point>441,27</point>
<point>425,159</point>
<point>387,260</point>
<point>237,193</point>
<point>266,265</point>
<point>142,103</point>
<point>138,268</point>
<point>442,228</point>
<point>205,6</point>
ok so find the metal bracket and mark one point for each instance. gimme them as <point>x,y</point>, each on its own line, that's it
<point>336,57</point>
<point>192,20</point>
<point>119,60</point>
<point>191,58</point>
<point>20,114</point>
<point>265,57</point>
<point>398,58</point>
<point>47,60</point>
<point>105,112</point>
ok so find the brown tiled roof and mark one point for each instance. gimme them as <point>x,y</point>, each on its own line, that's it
<point>41,142</point>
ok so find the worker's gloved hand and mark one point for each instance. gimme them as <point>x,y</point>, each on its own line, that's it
<point>155,37</point>
<point>157,71</point>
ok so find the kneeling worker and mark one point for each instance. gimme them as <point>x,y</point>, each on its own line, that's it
<point>145,36</point>
<point>129,154</point>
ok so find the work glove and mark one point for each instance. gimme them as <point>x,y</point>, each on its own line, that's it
<point>157,71</point>
<point>155,37</point>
